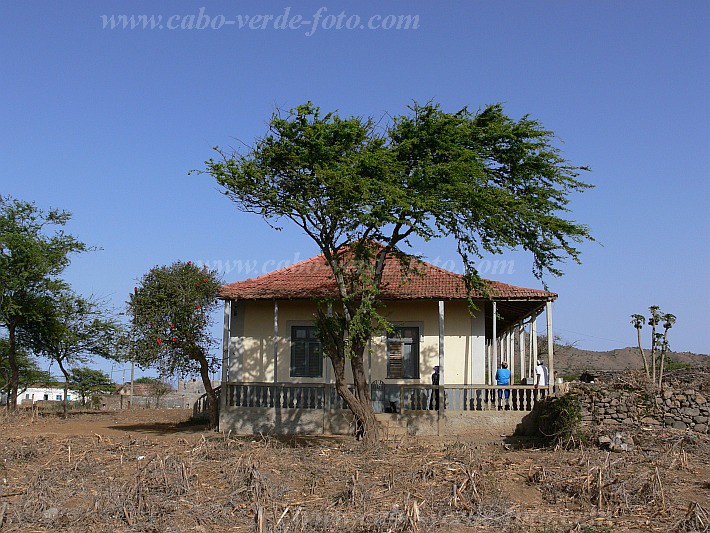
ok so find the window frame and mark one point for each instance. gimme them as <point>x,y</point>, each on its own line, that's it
<point>312,370</point>
<point>415,342</point>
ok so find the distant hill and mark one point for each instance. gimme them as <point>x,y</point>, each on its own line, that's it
<point>570,360</point>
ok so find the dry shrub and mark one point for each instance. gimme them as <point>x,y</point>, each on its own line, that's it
<point>618,484</point>
<point>696,518</point>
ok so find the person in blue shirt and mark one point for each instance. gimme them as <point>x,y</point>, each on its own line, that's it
<point>503,378</point>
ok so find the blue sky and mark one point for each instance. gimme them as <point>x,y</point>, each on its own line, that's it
<point>106,124</point>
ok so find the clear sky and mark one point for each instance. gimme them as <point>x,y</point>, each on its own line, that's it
<point>107,122</point>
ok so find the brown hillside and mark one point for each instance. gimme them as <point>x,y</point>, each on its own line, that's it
<point>570,360</point>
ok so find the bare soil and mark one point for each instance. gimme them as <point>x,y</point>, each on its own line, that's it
<point>153,470</point>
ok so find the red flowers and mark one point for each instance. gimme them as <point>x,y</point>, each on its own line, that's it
<point>158,340</point>
<point>198,307</point>
<point>205,280</point>
<point>172,326</point>
<point>189,262</point>
<point>174,339</point>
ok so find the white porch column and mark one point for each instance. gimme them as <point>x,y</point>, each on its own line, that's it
<point>441,345</point>
<point>326,360</point>
<point>533,341</point>
<point>521,345</point>
<point>550,345</point>
<point>511,363</point>
<point>226,339</point>
<point>276,340</point>
<point>494,344</point>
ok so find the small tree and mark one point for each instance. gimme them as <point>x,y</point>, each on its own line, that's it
<point>668,321</point>
<point>76,328</point>
<point>638,322</point>
<point>31,258</point>
<point>88,381</point>
<point>171,317</point>
<point>659,341</point>
<point>158,388</point>
<point>653,321</point>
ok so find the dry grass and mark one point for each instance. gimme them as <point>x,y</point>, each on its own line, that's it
<point>210,482</point>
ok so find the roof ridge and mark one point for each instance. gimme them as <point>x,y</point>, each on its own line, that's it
<point>312,278</point>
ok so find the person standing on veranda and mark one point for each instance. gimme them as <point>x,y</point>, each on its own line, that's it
<point>502,379</point>
<point>541,376</point>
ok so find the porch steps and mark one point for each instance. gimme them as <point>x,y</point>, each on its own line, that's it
<point>393,432</point>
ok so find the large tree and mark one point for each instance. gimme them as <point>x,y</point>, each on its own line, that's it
<point>76,328</point>
<point>171,316</point>
<point>33,253</point>
<point>361,188</point>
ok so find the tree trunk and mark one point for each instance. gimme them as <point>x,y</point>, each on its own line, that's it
<point>14,382</point>
<point>653,352</point>
<point>212,401</point>
<point>643,354</point>
<point>663,357</point>
<point>366,426</point>
<point>66,386</point>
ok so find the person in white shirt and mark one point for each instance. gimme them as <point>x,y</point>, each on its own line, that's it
<point>541,374</point>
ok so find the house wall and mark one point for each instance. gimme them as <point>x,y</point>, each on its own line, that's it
<point>251,342</point>
<point>36,394</point>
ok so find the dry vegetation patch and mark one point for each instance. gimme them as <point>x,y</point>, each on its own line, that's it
<point>166,476</point>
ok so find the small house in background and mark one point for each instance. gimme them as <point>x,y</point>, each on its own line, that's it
<point>276,380</point>
<point>40,393</point>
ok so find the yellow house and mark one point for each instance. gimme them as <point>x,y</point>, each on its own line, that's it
<point>272,359</point>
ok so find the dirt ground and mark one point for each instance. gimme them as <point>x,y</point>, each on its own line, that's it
<point>153,470</point>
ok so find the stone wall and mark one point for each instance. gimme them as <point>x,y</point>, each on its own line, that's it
<point>681,404</point>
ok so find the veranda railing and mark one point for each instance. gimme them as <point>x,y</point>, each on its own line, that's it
<point>469,397</point>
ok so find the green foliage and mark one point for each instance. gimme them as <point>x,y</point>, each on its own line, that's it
<point>32,256</point>
<point>560,418</point>
<point>573,376</point>
<point>147,380</point>
<point>87,381</point>
<point>489,181</point>
<point>171,312</point>
<point>75,329</point>
<point>672,364</point>
<point>29,371</point>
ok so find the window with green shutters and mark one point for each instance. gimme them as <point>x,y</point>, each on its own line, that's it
<point>306,354</point>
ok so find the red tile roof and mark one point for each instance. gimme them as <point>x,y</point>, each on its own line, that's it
<point>312,278</point>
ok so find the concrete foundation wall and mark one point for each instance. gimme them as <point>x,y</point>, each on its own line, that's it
<point>271,421</point>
